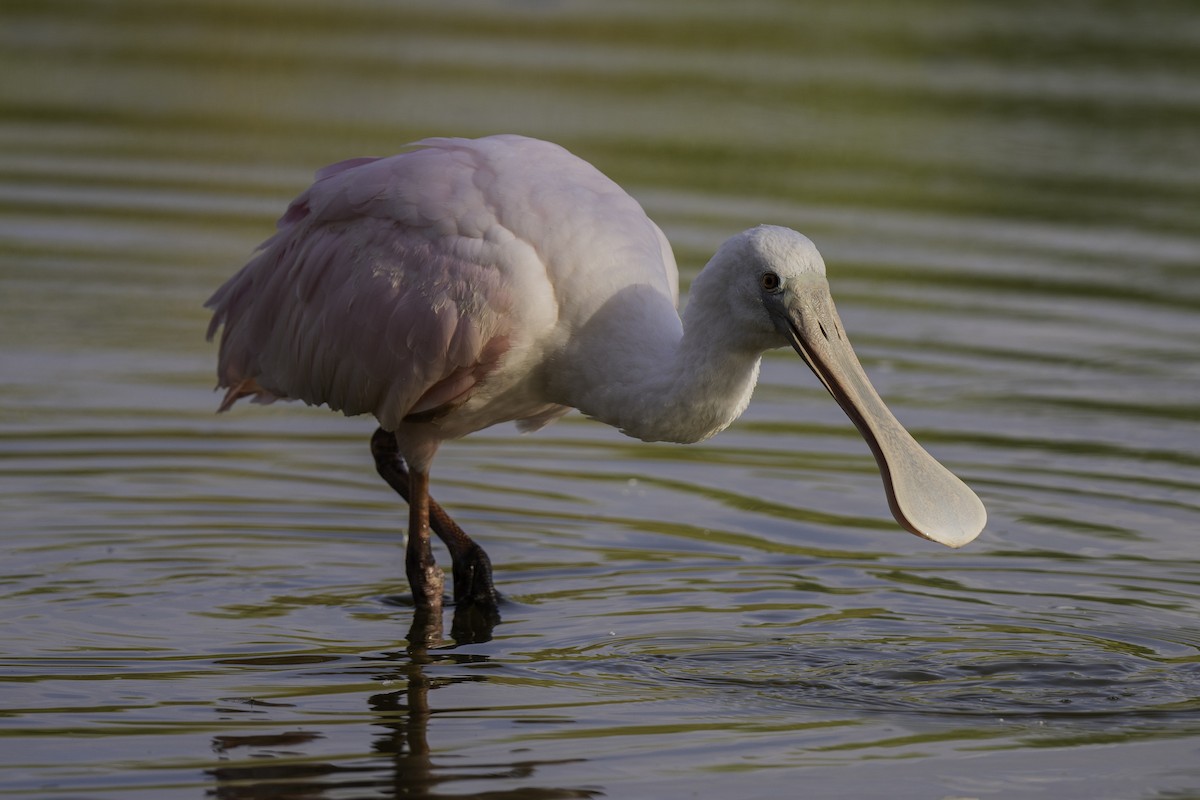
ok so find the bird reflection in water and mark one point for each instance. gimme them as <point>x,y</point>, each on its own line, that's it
<point>275,767</point>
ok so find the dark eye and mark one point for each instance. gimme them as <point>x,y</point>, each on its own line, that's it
<point>770,282</point>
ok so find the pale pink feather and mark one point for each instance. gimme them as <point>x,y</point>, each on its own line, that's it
<point>403,286</point>
<point>359,311</point>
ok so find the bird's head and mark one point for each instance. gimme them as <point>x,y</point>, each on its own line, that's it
<point>752,279</point>
<point>766,286</point>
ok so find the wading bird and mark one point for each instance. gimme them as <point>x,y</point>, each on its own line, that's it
<point>465,283</point>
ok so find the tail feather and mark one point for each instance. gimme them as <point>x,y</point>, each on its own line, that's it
<point>245,388</point>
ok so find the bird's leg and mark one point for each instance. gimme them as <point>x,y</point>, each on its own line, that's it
<point>472,569</point>
<point>424,575</point>
<point>470,565</point>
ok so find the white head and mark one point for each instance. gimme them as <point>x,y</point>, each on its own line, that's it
<point>747,280</point>
<point>766,288</point>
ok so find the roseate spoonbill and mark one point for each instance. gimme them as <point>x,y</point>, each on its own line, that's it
<point>469,282</point>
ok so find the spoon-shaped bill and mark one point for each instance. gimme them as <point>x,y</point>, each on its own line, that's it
<point>925,497</point>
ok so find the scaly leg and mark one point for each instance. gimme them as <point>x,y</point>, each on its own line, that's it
<point>472,569</point>
<point>424,575</point>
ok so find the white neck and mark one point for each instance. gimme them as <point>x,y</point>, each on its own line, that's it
<point>656,378</point>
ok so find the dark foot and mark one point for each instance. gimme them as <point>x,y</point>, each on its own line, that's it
<point>473,579</point>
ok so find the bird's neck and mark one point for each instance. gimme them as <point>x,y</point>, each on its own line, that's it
<point>659,380</point>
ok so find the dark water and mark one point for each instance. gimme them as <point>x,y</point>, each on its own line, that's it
<point>1007,196</point>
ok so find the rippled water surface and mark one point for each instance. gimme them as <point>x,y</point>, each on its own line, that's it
<point>1007,196</point>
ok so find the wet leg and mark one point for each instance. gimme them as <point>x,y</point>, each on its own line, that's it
<point>424,575</point>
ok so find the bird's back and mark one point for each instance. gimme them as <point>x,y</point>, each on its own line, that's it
<point>436,281</point>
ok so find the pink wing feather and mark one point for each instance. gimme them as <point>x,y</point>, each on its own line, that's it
<point>362,303</point>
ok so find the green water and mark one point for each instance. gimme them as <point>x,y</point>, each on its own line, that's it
<point>1007,197</point>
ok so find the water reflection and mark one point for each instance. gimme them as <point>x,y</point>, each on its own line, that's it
<point>404,716</point>
<point>264,779</point>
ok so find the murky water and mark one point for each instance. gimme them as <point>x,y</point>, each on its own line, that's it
<point>1007,196</point>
